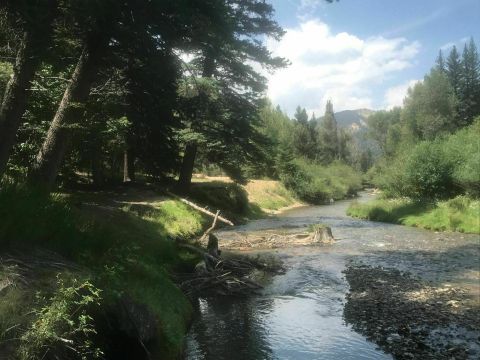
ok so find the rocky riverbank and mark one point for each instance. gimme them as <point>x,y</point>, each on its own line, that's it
<point>410,318</point>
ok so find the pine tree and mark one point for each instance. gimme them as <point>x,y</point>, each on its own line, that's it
<point>454,69</point>
<point>441,62</point>
<point>35,21</point>
<point>328,136</point>
<point>469,93</point>
<point>304,135</point>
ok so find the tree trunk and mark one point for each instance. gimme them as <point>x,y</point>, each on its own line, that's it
<point>15,97</point>
<point>70,110</point>
<point>97,169</point>
<point>188,161</point>
<point>186,172</point>
<point>126,177</point>
<point>131,164</point>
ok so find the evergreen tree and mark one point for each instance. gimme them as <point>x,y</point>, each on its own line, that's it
<point>454,70</point>
<point>304,135</point>
<point>328,136</point>
<point>469,94</point>
<point>440,62</point>
<point>33,19</point>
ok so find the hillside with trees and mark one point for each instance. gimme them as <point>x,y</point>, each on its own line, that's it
<point>430,148</point>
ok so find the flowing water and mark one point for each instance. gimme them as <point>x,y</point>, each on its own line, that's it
<point>299,315</point>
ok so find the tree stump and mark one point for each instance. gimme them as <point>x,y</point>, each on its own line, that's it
<point>323,235</point>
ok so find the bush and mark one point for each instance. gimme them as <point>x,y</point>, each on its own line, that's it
<point>62,327</point>
<point>317,184</point>
<point>436,169</point>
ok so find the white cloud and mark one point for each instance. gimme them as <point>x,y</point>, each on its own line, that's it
<point>341,67</point>
<point>395,95</point>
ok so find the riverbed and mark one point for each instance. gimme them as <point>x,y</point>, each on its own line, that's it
<point>311,311</point>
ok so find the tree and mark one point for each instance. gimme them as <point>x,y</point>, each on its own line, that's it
<point>469,93</point>
<point>430,108</point>
<point>454,70</point>
<point>96,35</point>
<point>34,20</point>
<point>223,47</point>
<point>328,136</point>
<point>440,62</point>
<point>304,136</point>
<point>380,129</point>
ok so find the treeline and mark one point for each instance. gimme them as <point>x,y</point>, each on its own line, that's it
<point>105,90</point>
<point>312,157</point>
<point>430,147</point>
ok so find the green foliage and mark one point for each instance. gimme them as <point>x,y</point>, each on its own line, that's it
<point>317,184</point>
<point>457,214</point>
<point>6,70</point>
<point>31,217</point>
<point>430,107</point>
<point>230,198</point>
<point>434,169</point>
<point>62,327</point>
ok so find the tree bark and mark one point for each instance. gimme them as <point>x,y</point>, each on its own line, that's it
<point>50,156</point>
<point>188,161</point>
<point>126,177</point>
<point>15,97</point>
<point>97,169</point>
<point>186,171</point>
<point>131,164</point>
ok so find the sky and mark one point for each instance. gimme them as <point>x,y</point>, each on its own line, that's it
<point>362,53</point>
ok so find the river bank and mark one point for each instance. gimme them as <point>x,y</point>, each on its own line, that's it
<point>120,244</point>
<point>319,308</point>
<point>458,214</point>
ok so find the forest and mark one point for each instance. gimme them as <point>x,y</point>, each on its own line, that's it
<point>103,100</point>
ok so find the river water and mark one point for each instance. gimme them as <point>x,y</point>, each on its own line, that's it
<point>299,314</point>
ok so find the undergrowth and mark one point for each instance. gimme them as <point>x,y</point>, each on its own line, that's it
<point>458,214</point>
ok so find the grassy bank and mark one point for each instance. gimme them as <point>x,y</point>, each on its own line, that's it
<point>249,201</point>
<point>457,214</point>
<point>122,245</point>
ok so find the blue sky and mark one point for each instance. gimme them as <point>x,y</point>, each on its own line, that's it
<point>363,53</point>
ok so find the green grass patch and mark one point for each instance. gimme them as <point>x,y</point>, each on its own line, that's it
<point>458,214</point>
<point>125,250</point>
<point>230,198</point>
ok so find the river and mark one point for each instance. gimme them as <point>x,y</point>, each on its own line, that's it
<point>300,314</point>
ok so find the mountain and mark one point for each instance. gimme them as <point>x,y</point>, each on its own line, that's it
<point>353,119</point>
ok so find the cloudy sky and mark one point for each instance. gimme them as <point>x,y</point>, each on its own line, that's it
<point>363,53</point>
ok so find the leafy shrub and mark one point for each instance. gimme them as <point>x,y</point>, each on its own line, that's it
<point>316,184</point>
<point>63,328</point>
<point>435,169</point>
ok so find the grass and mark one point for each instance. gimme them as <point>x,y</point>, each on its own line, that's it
<point>230,198</point>
<point>269,195</point>
<point>125,251</point>
<point>458,214</point>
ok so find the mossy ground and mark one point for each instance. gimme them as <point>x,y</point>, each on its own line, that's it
<point>458,214</point>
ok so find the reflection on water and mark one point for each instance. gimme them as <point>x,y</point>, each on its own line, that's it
<point>299,315</point>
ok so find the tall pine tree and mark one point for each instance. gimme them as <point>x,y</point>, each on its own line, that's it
<point>469,92</point>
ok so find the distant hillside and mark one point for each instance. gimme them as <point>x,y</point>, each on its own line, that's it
<point>353,119</point>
